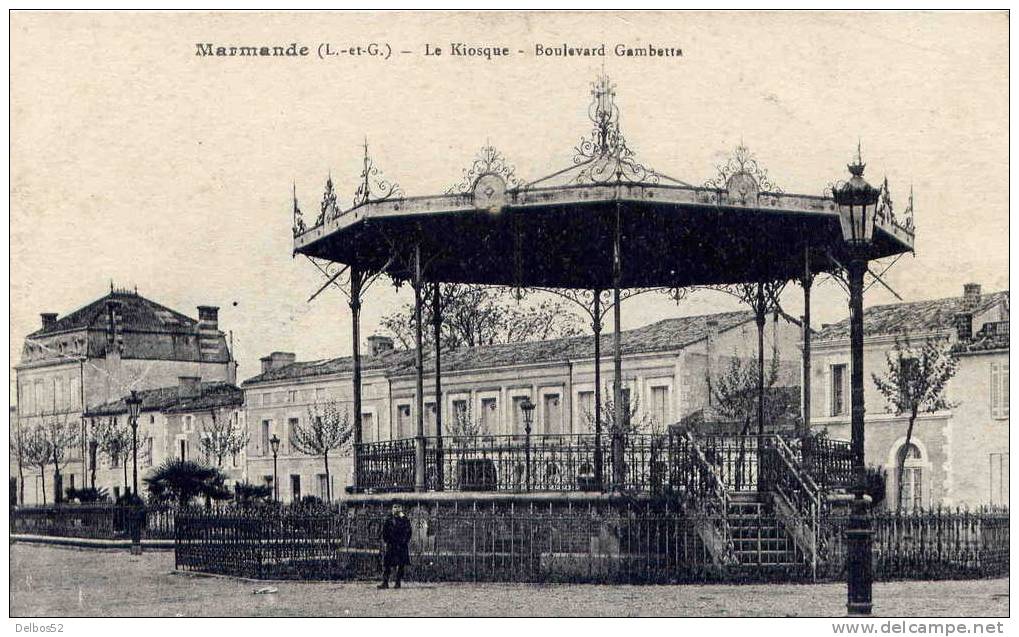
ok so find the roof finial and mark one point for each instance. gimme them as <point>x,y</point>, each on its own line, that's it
<point>111,286</point>
<point>856,169</point>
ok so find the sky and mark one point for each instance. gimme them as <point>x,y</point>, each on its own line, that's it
<point>136,161</point>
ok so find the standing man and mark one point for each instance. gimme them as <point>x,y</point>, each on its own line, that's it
<point>396,535</point>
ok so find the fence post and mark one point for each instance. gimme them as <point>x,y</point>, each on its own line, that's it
<point>137,514</point>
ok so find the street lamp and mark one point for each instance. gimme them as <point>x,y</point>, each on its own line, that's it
<point>528,408</point>
<point>857,205</point>
<point>134,407</point>
<point>274,442</point>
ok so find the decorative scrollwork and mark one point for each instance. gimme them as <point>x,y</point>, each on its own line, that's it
<point>605,156</point>
<point>299,226</point>
<point>885,207</point>
<point>742,177</point>
<point>489,161</point>
<point>373,186</point>
<point>328,210</point>
<point>907,214</point>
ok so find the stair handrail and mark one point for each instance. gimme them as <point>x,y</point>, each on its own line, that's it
<point>806,499</point>
<point>715,508</point>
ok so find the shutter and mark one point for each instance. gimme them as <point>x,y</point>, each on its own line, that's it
<point>828,391</point>
<point>1003,392</point>
<point>995,387</point>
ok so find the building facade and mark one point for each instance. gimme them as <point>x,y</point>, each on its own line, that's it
<point>99,353</point>
<point>667,370</point>
<point>958,456</point>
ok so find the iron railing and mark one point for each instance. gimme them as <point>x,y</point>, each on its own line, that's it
<point>99,521</point>
<point>828,462</point>
<point>599,542</point>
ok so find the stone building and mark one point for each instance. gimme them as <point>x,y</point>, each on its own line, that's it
<point>667,367</point>
<point>172,422</point>
<point>957,456</point>
<point>97,354</point>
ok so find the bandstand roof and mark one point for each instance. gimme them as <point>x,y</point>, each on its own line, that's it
<point>559,231</point>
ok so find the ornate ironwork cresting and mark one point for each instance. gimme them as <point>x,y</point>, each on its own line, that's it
<point>605,156</point>
<point>328,210</point>
<point>372,186</point>
<point>299,226</point>
<point>742,177</point>
<point>488,161</point>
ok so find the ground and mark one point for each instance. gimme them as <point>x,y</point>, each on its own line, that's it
<point>52,581</point>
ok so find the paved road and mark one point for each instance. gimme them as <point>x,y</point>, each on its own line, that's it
<point>51,581</point>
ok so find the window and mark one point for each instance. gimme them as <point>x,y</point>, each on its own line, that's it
<point>58,394</point>
<point>461,416</point>
<point>912,477</point>
<point>998,475</point>
<point>429,419</point>
<point>368,432</point>
<point>147,450</point>
<point>292,396</point>
<point>295,487</point>
<point>489,416</point>
<point>266,429</point>
<point>553,415</point>
<point>189,423</point>
<point>323,486</point>
<point>267,480</point>
<point>292,424</point>
<point>183,449</point>
<point>28,392</point>
<point>660,405</point>
<point>585,406</point>
<point>838,390</point>
<point>519,425</point>
<point>42,404</point>
<point>999,390</point>
<point>403,424</point>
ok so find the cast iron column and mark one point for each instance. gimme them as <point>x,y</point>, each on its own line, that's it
<point>419,447</point>
<point>134,456</point>
<point>355,331</point>
<point>596,327</point>
<point>806,282</point>
<point>437,325</point>
<point>617,364</point>
<point>859,536</point>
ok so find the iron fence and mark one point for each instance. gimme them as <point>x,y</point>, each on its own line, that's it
<point>99,521</point>
<point>514,463</point>
<point>625,541</point>
<point>829,462</point>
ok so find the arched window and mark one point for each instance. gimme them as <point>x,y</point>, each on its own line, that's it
<point>911,462</point>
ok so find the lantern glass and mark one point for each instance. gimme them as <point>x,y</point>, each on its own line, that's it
<point>857,204</point>
<point>134,405</point>
<point>528,408</point>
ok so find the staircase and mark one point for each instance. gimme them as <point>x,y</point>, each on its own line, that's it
<point>766,523</point>
<point>759,538</point>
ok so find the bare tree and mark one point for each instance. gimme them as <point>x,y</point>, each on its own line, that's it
<point>914,382</point>
<point>327,428</point>
<point>114,438</point>
<point>18,451</point>
<point>220,438</point>
<point>762,297</point>
<point>478,315</point>
<point>62,436</point>
<point>635,420</point>
<point>38,453</point>
<point>734,393</point>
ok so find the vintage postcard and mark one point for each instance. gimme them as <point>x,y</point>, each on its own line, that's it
<point>545,314</point>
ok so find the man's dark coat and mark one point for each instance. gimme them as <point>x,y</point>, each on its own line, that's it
<point>396,535</point>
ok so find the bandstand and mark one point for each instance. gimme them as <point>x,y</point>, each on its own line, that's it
<point>602,229</point>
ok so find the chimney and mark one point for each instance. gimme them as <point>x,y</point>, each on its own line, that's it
<point>378,344</point>
<point>208,331</point>
<point>48,319</point>
<point>112,313</point>
<point>963,322</point>
<point>971,295</point>
<point>189,386</point>
<point>277,360</point>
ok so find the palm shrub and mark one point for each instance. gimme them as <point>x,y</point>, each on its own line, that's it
<point>180,481</point>
<point>248,493</point>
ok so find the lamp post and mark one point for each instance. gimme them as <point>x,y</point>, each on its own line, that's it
<point>274,442</point>
<point>134,407</point>
<point>857,205</point>
<point>528,408</point>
